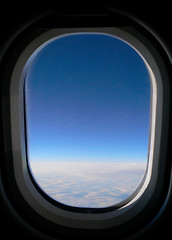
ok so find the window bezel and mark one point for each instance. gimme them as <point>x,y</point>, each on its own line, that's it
<point>158,137</point>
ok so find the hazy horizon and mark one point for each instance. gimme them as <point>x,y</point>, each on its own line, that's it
<point>88,184</point>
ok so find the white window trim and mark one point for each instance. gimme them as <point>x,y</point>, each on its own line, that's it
<point>148,189</point>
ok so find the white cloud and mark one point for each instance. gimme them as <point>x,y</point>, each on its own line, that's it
<point>88,184</point>
<point>85,168</point>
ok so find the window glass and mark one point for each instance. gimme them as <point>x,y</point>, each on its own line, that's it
<point>87,99</point>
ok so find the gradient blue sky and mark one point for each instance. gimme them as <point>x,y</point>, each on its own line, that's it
<point>87,99</point>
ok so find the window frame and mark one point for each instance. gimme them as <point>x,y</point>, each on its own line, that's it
<point>158,140</point>
<point>60,34</point>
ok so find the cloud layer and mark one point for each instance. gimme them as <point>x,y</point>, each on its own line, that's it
<point>88,184</point>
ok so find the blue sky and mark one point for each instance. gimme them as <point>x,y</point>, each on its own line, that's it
<point>87,99</point>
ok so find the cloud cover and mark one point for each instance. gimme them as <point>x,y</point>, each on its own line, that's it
<point>88,184</point>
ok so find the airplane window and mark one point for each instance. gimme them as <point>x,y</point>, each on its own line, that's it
<point>87,101</point>
<point>85,126</point>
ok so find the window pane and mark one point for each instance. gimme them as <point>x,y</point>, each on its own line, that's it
<point>87,117</point>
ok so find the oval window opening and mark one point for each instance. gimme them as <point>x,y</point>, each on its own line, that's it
<point>87,107</point>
